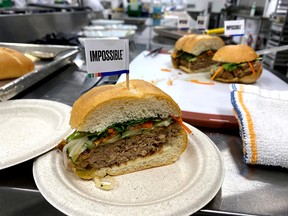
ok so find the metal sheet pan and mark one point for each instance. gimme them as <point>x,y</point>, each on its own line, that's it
<point>170,32</point>
<point>109,27</point>
<point>133,20</point>
<point>63,56</point>
<point>106,22</point>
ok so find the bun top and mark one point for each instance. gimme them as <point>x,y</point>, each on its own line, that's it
<point>196,44</point>
<point>235,54</point>
<point>105,105</point>
<point>13,63</point>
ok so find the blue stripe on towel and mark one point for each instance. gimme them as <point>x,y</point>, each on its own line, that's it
<point>233,86</point>
<point>240,117</point>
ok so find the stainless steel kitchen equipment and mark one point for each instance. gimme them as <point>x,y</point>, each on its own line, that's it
<point>63,56</point>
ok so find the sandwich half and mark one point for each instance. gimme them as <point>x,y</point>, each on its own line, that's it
<point>193,53</point>
<point>236,64</point>
<point>120,130</point>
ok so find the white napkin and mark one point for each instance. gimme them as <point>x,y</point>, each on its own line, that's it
<point>263,120</point>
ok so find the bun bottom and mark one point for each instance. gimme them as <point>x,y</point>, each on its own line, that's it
<point>169,154</point>
<point>249,79</point>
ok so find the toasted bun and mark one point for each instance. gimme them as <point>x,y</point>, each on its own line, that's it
<point>196,44</point>
<point>14,64</point>
<point>235,54</point>
<point>106,105</point>
<point>170,153</point>
<point>181,41</point>
<point>246,79</point>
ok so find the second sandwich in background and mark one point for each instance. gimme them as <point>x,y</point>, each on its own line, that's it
<point>193,53</point>
<point>236,64</point>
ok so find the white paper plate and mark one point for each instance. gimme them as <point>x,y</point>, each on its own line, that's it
<point>181,188</point>
<point>29,128</point>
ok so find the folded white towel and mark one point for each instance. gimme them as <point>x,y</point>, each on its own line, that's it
<point>263,121</point>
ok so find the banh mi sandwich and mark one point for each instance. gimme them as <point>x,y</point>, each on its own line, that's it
<point>14,64</point>
<point>236,64</point>
<point>120,130</point>
<point>193,53</point>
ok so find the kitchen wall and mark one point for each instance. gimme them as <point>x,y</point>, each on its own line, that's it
<point>196,5</point>
<point>29,27</point>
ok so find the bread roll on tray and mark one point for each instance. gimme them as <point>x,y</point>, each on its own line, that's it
<point>14,64</point>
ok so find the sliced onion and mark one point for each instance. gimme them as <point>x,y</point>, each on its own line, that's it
<point>77,149</point>
<point>65,159</point>
<point>105,183</point>
<point>64,152</point>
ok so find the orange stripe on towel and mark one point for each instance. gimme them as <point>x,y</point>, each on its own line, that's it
<point>250,128</point>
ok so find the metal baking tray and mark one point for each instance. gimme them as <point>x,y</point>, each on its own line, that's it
<point>109,27</point>
<point>63,56</point>
<point>106,22</point>
<point>133,20</point>
<point>170,32</point>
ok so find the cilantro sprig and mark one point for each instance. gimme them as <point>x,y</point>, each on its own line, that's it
<point>119,127</point>
<point>231,66</point>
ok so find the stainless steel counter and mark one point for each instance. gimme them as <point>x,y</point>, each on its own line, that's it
<point>246,190</point>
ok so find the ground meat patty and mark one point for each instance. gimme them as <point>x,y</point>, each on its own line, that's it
<point>128,149</point>
<point>240,72</point>
<point>203,62</point>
